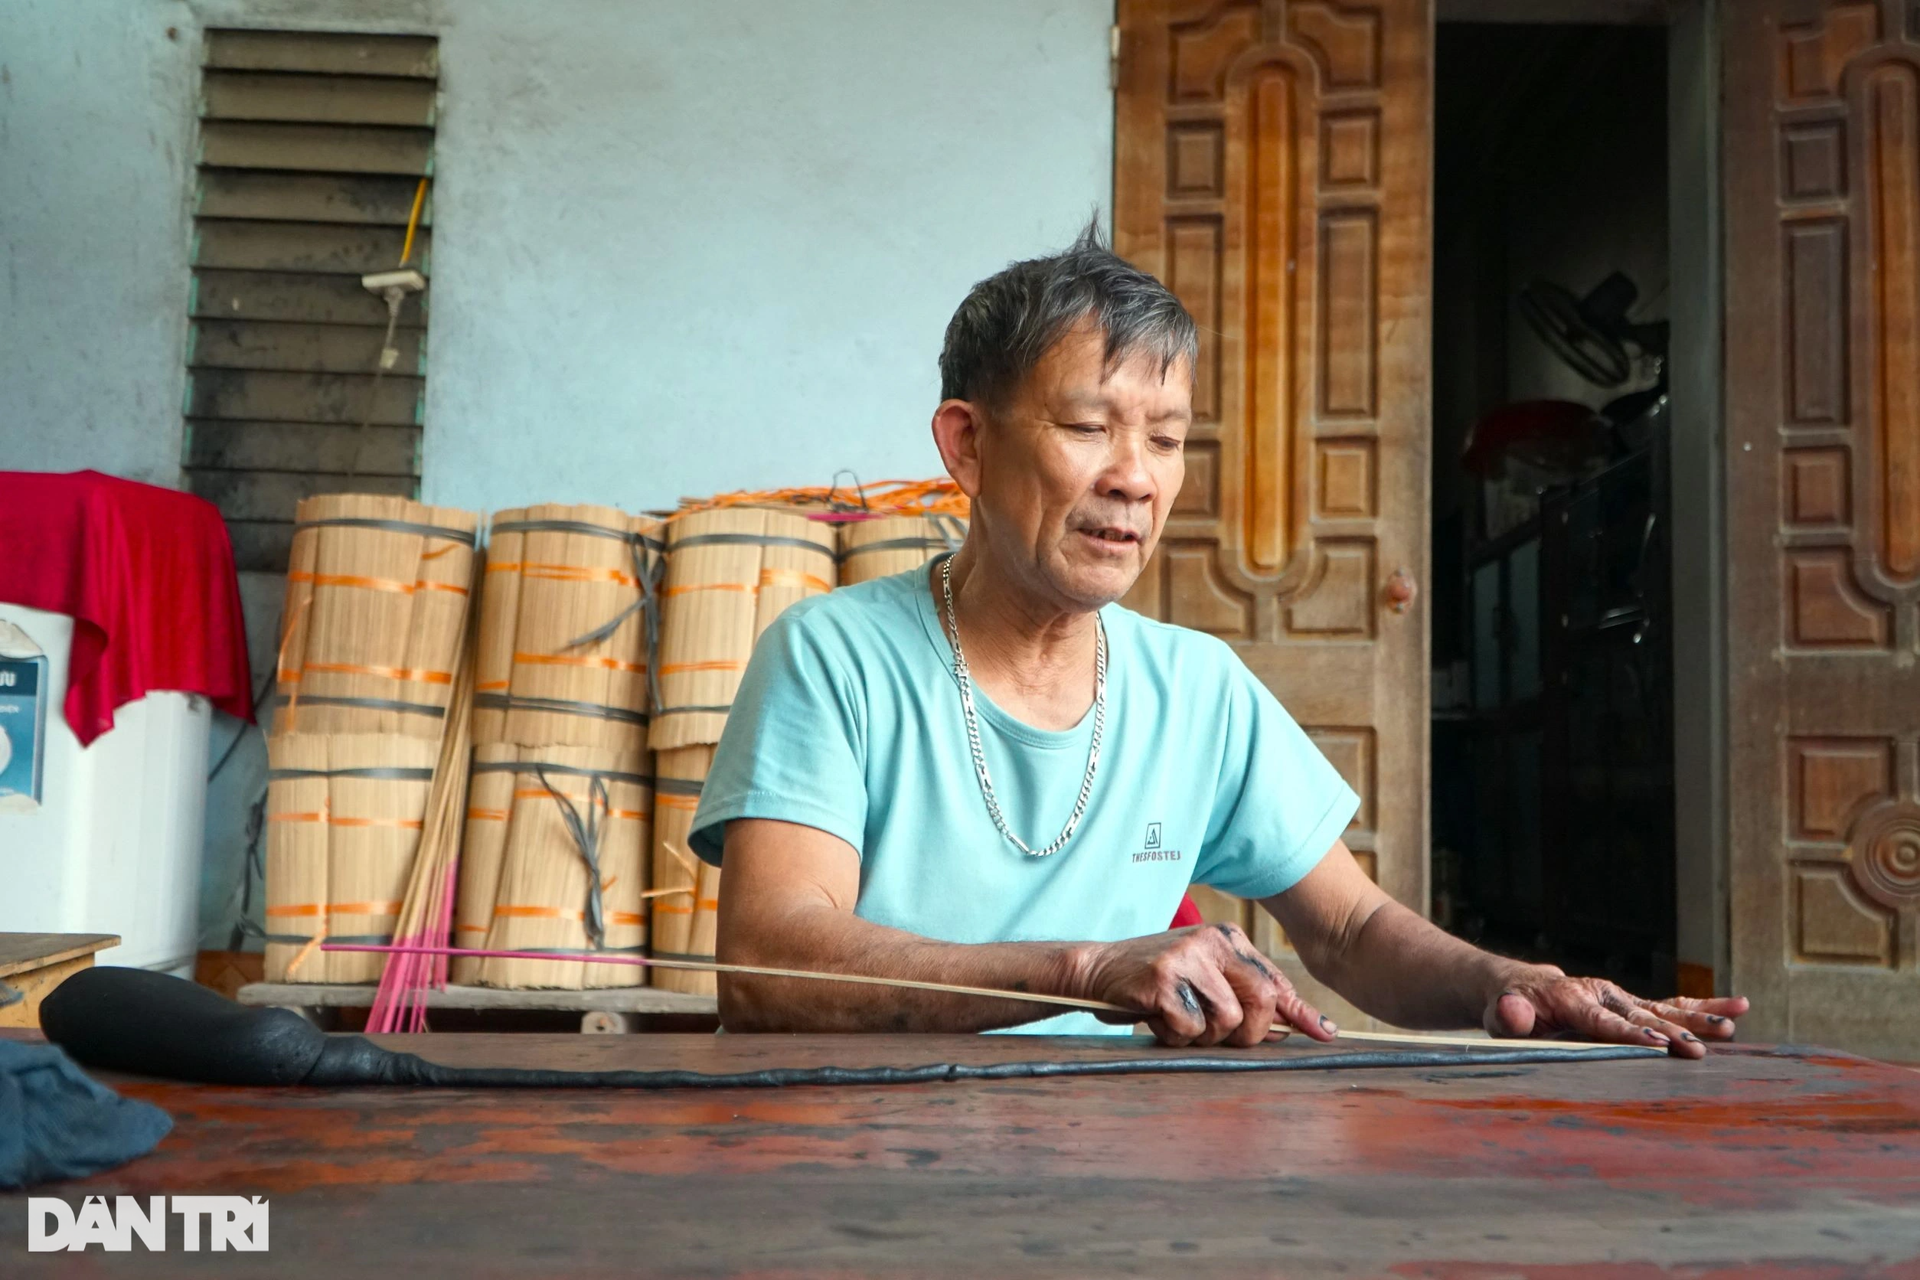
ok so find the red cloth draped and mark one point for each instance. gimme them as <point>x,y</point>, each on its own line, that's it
<point>1188,914</point>
<point>147,576</point>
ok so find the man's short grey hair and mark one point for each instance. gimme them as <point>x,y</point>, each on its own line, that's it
<point>1012,319</point>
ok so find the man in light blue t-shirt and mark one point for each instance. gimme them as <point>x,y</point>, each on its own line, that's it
<point>986,773</point>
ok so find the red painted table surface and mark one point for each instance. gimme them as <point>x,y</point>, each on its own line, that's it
<point>1754,1162</point>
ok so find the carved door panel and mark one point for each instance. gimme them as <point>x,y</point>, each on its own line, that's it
<point>1272,167</point>
<point>1822,174</point>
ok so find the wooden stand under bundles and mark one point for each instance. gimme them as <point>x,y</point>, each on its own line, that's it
<point>538,820</point>
<point>686,890</point>
<point>730,572</point>
<point>376,604</point>
<point>344,816</point>
<point>886,545</point>
<point>557,575</point>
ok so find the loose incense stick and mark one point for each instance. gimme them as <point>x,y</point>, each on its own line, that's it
<point>710,966</point>
<point>1074,1002</point>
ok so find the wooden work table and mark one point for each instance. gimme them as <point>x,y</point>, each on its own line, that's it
<point>1794,1162</point>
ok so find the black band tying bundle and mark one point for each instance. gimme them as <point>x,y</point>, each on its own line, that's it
<point>585,831</point>
<point>467,536</point>
<point>370,704</point>
<point>571,770</point>
<point>646,575</point>
<point>558,706</point>
<point>381,773</point>
<point>749,540</point>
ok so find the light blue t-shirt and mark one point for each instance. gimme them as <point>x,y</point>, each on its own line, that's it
<point>848,719</point>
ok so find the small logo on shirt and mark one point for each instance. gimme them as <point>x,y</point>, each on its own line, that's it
<point>1153,852</point>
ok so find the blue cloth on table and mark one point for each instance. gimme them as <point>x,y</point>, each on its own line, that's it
<point>55,1122</point>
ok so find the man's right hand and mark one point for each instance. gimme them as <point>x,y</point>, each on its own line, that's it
<point>1205,985</point>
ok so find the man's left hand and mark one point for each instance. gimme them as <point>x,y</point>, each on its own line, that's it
<point>1540,1000</point>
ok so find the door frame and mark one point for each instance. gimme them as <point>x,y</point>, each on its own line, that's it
<point>1695,231</point>
<point>1695,236</point>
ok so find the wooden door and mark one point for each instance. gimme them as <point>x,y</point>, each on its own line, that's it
<point>1822,184</point>
<point>1272,167</point>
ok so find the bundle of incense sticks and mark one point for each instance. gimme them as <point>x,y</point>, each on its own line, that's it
<point>565,618</point>
<point>730,571</point>
<point>416,964</point>
<point>377,597</point>
<point>878,546</point>
<point>344,817</point>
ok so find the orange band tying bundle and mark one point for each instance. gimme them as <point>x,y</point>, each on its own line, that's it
<point>539,913</point>
<point>333,820</point>
<point>486,815</point>
<point>688,803</point>
<point>675,668</point>
<point>492,686</point>
<point>564,572</point>
<point>541,793</point>
<point>538,793</point>
<point>559,913</point>
<point>704,904</point>
<point>390,673</point>
<point>335,909</point>
<point>707,586</point>
<point>793,578</point>
<point>573,660</point>
<point>374,584</point>
<point>578,573</point>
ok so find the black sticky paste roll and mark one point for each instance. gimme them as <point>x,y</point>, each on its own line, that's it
<point>152,1024</point>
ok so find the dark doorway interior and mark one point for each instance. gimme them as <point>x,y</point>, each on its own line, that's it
<point>1552,742</point>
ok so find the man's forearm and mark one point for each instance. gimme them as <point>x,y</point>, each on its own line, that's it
<point>1405,970</point>
<point>825,939</point>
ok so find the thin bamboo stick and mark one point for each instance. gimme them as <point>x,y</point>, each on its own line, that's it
<point>1075,1002</point>
<point>686,898</point>
<point>407,977</point>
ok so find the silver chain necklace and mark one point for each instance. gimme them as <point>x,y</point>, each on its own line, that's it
<point>961,674</point>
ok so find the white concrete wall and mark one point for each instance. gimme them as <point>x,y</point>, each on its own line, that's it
<point>96,147</point>
<point>680,246</point>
